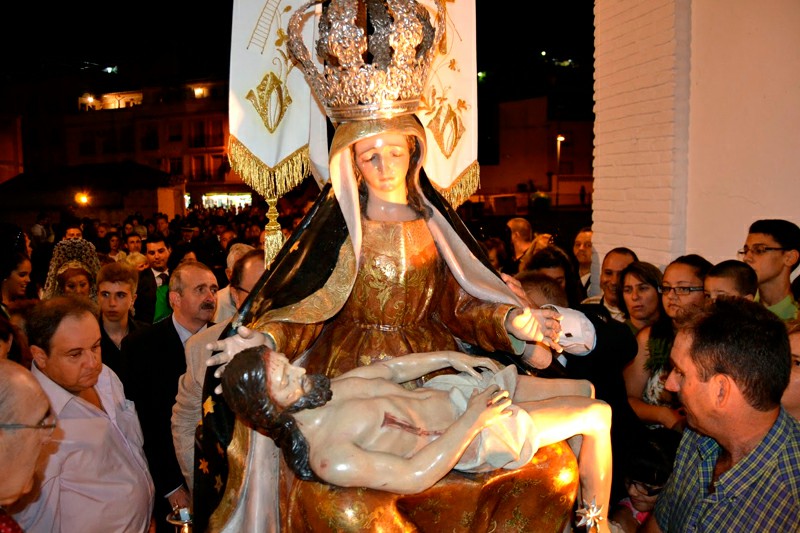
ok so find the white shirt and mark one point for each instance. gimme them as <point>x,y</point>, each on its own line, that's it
<point>95,478</point>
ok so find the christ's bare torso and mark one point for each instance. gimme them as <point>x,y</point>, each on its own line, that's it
<point>397,421</point>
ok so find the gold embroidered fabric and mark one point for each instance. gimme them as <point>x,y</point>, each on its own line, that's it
<point>404,300</point>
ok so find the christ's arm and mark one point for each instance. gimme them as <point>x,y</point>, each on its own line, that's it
<point>413,366</point>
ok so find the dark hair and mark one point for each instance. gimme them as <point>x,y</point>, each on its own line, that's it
<point>237,272</point>
<point>746,341</point>
<point>743,276</point>
<point>698,263</point>
<point>244,386</point>
<point>496,243</point>
<point>652,460</point>
<point>180,251</point>
<point>11,262</point>
<point>555,257</point>
<point>786,233</point>
<point>118,272</point>
<point>47,315</point>
<point>622,250</point>
<point>648,273</point>
<point>155,238</point>
<point>536,282</point>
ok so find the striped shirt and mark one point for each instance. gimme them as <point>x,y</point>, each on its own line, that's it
<point>760,493</point>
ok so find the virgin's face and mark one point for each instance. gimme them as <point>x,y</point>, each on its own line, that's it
<point>383,161</point>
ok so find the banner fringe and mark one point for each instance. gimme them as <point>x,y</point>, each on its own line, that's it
<point>463,186</point>
<point>269,182</point>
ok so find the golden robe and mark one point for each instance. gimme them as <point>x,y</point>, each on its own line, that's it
<point>404,300</point>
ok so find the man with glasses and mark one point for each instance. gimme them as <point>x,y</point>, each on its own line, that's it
<point>95,476</point>
<point>772,248</point>
<point>738,462</point>
<point>25,426</point>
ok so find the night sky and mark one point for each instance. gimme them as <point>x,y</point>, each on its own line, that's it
<point>172,39</point>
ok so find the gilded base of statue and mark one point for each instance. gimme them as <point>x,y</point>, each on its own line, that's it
<point>538,497</point>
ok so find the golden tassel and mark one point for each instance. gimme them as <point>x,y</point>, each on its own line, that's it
<point>462,187</point>
<point>273,239</point>
<point>269,182</point>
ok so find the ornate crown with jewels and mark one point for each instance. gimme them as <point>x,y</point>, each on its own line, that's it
<point>376,55</point>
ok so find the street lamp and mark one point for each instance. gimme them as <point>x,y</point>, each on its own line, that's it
<point>559,139</point>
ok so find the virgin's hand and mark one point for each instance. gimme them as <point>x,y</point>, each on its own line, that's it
<point>515,286</point>
<point>468,363</point>
<point>230,346</point>
<point>536,325</point>
<point>489,406</point>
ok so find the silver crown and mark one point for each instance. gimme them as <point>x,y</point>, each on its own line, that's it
<point>369,75</point>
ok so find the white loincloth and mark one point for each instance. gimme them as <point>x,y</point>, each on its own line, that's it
<point>510,443</point>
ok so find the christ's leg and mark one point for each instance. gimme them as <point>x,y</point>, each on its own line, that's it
<point>560,418</point>
<point>534,389</point>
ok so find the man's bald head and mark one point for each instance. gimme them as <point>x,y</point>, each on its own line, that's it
<point>19,391</point>
<point>23,404</point>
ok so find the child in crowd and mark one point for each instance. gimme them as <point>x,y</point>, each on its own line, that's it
<point>732,279</point>
<point>647,472</point>
<point>137,260</point>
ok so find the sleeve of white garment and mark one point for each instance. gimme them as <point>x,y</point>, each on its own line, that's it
<point>578,335</point>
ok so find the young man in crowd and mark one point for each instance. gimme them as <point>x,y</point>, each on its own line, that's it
<point>116,293</point>
<point>614,263</point>
<point>772,248</point>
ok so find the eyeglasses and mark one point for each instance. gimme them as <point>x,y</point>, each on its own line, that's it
<point>679,291</point>
<point>759,249</point>
<point>644,488</point>
<point>47,423</point>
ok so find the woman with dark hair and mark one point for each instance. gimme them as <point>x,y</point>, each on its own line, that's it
<point>638,296</point>
<point>114,247</point>
<point>554,262</point>
<point>682,296</point>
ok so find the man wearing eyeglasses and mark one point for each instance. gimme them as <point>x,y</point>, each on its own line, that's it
<point>25,426</point>
<point>95,476</point>
<point>773,250</point>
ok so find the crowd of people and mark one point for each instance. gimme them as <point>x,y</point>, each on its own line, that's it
<point>106,329</point>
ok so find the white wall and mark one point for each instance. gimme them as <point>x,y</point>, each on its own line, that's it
<point>744,130</point>
<point>697,129</point>
<point>641,127</point>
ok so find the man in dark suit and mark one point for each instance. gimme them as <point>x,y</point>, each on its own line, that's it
<point>155,360</point>
<point>152,278</point>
